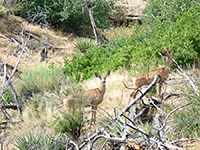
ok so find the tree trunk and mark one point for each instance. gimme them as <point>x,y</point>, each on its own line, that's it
<point>89,5</point>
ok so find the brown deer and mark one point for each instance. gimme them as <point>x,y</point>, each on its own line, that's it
<point>147,78</point>
<point>94,97</point>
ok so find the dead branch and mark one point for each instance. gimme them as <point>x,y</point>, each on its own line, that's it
<point>14,107</point>
<point>115,108</point>
<point>180,70</point>
<point>156,79</point>
<point>7,81</point>
<point>99,134</point>
<point>89,6</point>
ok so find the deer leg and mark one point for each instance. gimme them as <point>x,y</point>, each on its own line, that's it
<point>73,108</point>
<point>159,88</point>
<point>133,95</point>
<point>165,87</point>
<point>94,108</point>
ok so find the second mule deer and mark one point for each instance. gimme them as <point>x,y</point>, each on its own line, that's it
<point>147,78</point>
<point>94,96</point>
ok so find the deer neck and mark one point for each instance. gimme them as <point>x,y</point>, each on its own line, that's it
<point>102,89</point>
<point>168,63</point>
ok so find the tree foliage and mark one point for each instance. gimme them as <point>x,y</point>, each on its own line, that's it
<point>65,13</point>
<point>167,10</point>
<point>135,52</point>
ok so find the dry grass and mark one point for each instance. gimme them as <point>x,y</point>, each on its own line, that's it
<point>35,119</point>
<point>64,44</point>
<point>115,92</point>
<point>118,32</point>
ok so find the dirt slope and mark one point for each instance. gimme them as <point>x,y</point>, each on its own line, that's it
<point>14,30</point>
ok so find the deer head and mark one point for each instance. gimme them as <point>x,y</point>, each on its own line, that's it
<point>103,78</point>
<point>166,54</point>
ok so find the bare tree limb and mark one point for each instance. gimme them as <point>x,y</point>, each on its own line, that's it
<point>168,115</point>
<point>156,79</point>
<point>89,6</point>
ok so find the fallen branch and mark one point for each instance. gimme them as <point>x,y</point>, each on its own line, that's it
<point>14,107</point>
<point>156,79</point>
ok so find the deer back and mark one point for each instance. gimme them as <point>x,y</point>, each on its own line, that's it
<point>94,96</point>
<point>147,78</point>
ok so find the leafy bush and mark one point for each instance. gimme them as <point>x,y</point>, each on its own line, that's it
<point>167,10</point>
<point>72,124</point>
<point>39,140</point>
<point>84,66</point>
<point>65,14</point>
<point>135,52</point>
<point>82,44</point>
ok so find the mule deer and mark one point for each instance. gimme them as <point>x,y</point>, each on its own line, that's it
<point>94,97</point>
<point>147,78</point>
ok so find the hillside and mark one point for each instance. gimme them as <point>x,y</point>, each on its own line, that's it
<point>151,120</point>
<point>35,39</point>
<point>15,31</point>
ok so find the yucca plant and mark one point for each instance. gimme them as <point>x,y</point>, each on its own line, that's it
<point>83,44</point>
<point>39,140</point>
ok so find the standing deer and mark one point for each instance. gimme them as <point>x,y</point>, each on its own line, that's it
<point>94,97</point>
<point>147,78</point>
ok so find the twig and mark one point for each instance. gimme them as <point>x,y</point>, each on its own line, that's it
<point>115,112</point>
<point>132,88</point>
<point>187,77</point>
<point>164,123</point>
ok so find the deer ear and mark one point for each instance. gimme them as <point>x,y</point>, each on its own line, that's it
<point>108,73</point>
<point>162,54</point>
<point>97,75</point>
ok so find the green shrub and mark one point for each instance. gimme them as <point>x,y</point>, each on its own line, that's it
<point>71,124</point>
<point>83,44</point>
<point>40,140</point>
<point>135,52</point>
<point>166,10</point>
<point>84,66</point>
<point>65,14</point>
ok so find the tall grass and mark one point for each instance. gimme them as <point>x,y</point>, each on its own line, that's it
<point>187,120</point>
<point>40,110</point>
<point>70,124</point>
<point>42,79</point>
